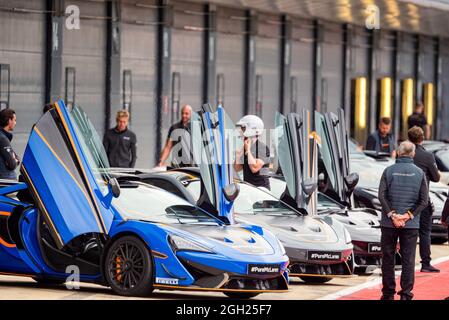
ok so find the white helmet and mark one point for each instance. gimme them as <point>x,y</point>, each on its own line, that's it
<point>251,125</point>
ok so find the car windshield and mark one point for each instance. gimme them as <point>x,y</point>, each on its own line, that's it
<point>141,202</point>
<point>369,173</point>
<point>251,200</point>
<point>91,145</point>
<point>324,203</point>
<point>443,157</point>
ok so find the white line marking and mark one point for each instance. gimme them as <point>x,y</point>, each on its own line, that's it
<point>373,280</point>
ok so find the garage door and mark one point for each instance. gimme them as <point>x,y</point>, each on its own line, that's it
<point>267,65</point>
<point>332,76</point>
<point>443,112</point>
<point>84,61</point>
<point>302,63</point>
<point>186,50</point>
<point>22,56</point>
<point>138,53</point>
<point>231,61</point>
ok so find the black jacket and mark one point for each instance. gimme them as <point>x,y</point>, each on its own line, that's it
<point>120,148</point>
<point>426,161</point>
<point>9,160</point>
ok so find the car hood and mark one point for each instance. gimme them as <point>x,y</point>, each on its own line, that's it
<point>361,225</point>
<point>296,229</point>
<point>222,238</point>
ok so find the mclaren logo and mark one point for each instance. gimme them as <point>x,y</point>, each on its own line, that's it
<point>324,255</point>
<point>263,269</point>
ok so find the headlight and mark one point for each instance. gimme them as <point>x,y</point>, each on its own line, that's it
<point>179,244</point>
<point>347,236</point>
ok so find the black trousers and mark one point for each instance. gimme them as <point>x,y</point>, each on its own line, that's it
<point>407,240</point>
<point>425,228</point>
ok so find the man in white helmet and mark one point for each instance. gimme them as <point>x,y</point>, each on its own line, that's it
<point>254,158</point>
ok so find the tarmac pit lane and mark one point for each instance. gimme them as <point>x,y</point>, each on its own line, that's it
<point>23,288</point>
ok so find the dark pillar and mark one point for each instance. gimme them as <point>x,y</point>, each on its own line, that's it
<point>163,69</point>
<point>113,58</point>
<point>53,72</point>
<point>210,55</point>
<point>347,72</point>
<point>285,66</point>
<point>440,112</point>
<point>372,80</point>
<point>397,86</point>
<point>317,65</point>
<point>250,65</point>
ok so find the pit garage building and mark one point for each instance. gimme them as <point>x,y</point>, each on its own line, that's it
<point>371,57</point>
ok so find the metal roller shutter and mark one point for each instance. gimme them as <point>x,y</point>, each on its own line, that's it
<point>302,64</point>
<point>427,59</point>
<point>138,59</point>
<point>360,53</point>
<point>332,79</point>
<point>22,49</point>
<point>385,55</point>
<point>84,61</point>
<point>267,64</point>
<point>407,64</point>
<point>187,53</point>
<point>230,61</point>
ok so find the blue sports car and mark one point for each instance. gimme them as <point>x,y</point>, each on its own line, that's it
<point>69,215</point>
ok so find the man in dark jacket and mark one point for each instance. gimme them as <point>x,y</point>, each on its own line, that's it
<point>403,194</point>
<point>9,159</point>
<point>426,161</point>
<point>418,118</point>
<point>120,143</point>
<point>382,140</point>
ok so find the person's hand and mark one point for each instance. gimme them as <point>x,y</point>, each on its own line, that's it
<point>397,222</point>
<point>403,218</point>
<point>247,145</point>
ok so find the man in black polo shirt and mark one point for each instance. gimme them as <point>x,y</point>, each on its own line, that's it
<point>178,133</point>
<point>254,158</point>
<point>418,118</point>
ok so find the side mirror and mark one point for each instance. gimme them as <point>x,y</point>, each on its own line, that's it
<point>351,180</point>
<point>115,187</point>
<point>231,191</point>
<point>309,186</point>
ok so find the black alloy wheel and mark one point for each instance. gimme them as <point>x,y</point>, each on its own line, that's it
<point>129,268</point>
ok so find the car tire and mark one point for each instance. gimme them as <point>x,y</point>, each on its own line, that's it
<point>315,280</point>
<point>128,267</point>
<point>241,295</point>
<point>49,282</point>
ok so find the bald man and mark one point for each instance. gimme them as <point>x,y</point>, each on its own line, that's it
<point>178,141</point>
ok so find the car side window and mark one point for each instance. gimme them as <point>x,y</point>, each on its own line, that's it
<point>167,186</point>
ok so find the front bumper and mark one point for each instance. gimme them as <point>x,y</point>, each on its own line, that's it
<point>209,274</point>
<point>321,263</point>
